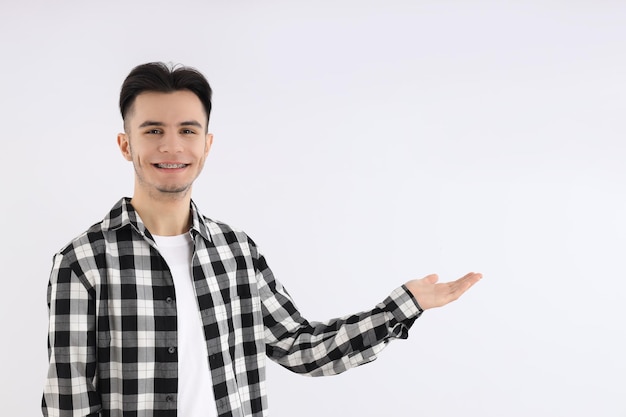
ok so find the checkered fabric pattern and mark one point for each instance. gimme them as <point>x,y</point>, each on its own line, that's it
<point>112,332</point>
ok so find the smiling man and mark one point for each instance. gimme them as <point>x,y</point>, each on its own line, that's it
<point>169,145</point>
<point>160,311</point>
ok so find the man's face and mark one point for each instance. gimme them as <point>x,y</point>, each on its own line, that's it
<point>167,142</point>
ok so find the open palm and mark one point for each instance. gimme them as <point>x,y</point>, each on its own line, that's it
<point>430,294</point>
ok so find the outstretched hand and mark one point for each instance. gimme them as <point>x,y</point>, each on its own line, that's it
<point>430,294</point>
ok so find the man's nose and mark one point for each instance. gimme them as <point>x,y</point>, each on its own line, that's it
<point>171,143</point>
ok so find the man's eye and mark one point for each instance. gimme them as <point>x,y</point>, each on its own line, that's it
<point>153,132</point>
<point>187,132</point>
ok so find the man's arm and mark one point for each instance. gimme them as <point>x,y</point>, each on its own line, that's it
<point>70,385</point>
<point>331,347</point>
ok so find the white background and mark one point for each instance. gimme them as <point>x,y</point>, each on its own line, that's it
<point>361,144</point>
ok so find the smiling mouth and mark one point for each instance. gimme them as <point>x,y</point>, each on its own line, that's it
<point>171,166</point>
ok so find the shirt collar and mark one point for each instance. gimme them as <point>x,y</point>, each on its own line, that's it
<point>198,223</point>
<point>123,214</point>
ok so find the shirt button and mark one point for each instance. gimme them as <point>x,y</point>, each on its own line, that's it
<point>169,399</point>
<point>171,349</point>
<point>169,300</point>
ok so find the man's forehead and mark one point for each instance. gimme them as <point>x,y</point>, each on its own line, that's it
<point>174,99</point>
<point>181,106</point>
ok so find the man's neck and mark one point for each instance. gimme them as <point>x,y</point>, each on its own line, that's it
<point>164,216</point>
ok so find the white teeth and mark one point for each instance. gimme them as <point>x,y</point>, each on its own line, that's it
<point>171,165</point>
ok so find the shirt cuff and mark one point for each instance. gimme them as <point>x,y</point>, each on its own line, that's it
<point>403,306</point>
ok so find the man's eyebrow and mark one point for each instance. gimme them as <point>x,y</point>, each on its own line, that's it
<point>159,124</point>
<point>150,123</point>
<point>191,123</point>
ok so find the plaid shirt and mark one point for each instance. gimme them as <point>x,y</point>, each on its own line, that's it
<point>112,333</point>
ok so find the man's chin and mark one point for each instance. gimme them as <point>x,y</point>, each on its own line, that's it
<point>174,191</point>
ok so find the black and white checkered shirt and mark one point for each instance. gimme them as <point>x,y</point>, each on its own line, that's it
<point>112,333</point>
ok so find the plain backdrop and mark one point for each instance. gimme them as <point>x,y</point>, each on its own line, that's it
<point>361,144</point>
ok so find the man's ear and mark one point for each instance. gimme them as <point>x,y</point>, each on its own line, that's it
<point>124,144</point>
<point>209,142</point>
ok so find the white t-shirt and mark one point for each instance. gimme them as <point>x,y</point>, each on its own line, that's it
<point>195,388</point>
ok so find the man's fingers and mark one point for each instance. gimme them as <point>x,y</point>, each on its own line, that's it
<point>472,277</point>
<point>465,283</point>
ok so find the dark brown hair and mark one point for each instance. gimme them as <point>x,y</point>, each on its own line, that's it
<point>163,78</point>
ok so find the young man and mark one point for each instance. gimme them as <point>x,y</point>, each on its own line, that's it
<point>160,311</point>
